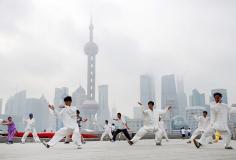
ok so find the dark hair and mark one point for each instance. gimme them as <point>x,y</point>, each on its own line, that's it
<point>151,103</point>
<point>217,94</point>
<point>119,114</point>
<point>77,111</point>
<point>106,121</point>
<point>113,124</point>
<point>204,112</point>
<point>68,99</point>
<point>31,114</point>
<point>9,117</point>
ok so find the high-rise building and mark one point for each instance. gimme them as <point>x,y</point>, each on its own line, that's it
<point>137,111</point>
<point>79,96</point>
<point>90,106</point>
<point>182,98</point>
<point>104,112</point>
<point>169,98</point>
<point>113,112</point>
<point>197,98</point>
<point>147,89</point>
<point>60,94</point>
<point>21,106</point>
<point>223,92</point>
<point>1,106</point>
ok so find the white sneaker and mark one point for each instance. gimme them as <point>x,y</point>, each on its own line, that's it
<point>22,142</point>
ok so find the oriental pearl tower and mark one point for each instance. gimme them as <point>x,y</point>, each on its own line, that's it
<point>90,106</point>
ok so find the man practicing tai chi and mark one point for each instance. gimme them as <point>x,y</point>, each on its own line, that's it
<point>203,124</point>
<point>121,127</point>
<point>107,130</point>
<point>151,118</point>
<point>30,128</point>
<point>68,116</point>
<point>219,121</point>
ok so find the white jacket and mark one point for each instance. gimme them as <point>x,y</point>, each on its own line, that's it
<point>151,118</point>
<point>107,128</point>
<point>30,124</point>
<point>68,116</point>
<point>203,123</point>
<point>220,115</point>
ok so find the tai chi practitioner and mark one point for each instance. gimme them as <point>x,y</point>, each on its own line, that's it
<point>203,124</point>
<point>30,128</point>
<point>219,122</point>
<point>151,117</point>
<point>121,127</point>
<point>11,129</point>
<point>79,122</point>
<point>68,116</point>
<point>107,130</point>
<point>163,128</point>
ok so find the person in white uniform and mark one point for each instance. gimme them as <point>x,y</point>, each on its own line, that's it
<point>68,116</point>
<point>30,128</point>
<point>163,128</point>
<point>107,131</point>
<point>151,118</point>
<point>203,124</point>
<point>219,122</point>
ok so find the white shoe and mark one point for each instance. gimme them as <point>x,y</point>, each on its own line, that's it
<point>22,142</point>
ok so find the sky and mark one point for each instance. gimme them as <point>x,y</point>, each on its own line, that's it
<point>41,45</point>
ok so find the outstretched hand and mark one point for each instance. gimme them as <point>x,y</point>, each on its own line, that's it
<point>51,107</point>
<point>140,103</point>
<point>169,107</point>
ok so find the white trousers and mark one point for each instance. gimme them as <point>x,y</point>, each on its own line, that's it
<point>165,134</point>
<point>226,135</point>
<point>148,129</point>
<point>106,133</point>
<point>63,132</point>
<point>27,132</point>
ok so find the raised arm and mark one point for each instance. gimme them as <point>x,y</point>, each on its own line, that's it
<point>144,111</point>
<point>164,111</point>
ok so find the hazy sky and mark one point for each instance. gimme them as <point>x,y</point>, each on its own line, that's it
<point>41,45</point>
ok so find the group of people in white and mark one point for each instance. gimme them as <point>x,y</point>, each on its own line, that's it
<point>153,123</point>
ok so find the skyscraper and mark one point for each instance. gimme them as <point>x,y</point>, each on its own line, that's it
<point>104,112</point>
<point>90,106</point>
<point>182,98</point>
<point>169,94</point>
<point>223,92</point>
<point>147,89</point>
<point>197,98</point>
<point>79,96</point>
<point>137,111</point>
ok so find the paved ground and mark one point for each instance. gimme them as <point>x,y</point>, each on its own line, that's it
<point>145,149</point>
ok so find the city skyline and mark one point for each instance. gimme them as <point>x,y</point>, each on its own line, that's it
<point>42,49</point>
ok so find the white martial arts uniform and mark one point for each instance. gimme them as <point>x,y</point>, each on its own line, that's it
<point>68,117</point>
<point>30,128</point>
<point>151,119</point>
<point>107,131</point>
<point>219,122</point>
<point>203,124</point>
<point>163,129</point>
